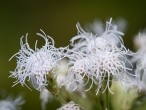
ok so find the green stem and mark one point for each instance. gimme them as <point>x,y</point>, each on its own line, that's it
<point>107,99</point>
<point>55,90</point>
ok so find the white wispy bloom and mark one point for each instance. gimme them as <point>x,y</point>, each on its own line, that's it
<point>97,26</point>
<point>99,58</point>
<point>140,40</point>
<point>111,37</point>
<point>140,59</point>
<point>11,104</point>
<point>100,67</point>
<point>71,106</point>
<point>35,64</point>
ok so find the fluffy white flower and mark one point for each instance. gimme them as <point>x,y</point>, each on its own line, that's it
<point>140,40</point>
<point>100,67</point>
<point>111,37</point>
<point>140,59</point>
<point>71,106</point>
<point>99,58</point>
<point>97,26</point>
<point>11,104</point>
<point>35,64</point>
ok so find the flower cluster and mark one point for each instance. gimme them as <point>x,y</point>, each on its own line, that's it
<point>93,61</point>
<point>99,58</point>
<point>36,64</point>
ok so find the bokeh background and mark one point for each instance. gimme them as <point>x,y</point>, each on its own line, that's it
<point>57,19</point>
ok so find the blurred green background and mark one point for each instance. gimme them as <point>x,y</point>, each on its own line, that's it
<point>57,19</point>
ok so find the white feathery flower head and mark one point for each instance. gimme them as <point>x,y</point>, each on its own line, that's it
<point>11,104</point>
<point>71,106</point>
<point>99,58</point>
<point>97,26</point>
<point>140,59</point>
<point>140,40</point>
<point>35,64</point>
<point>111,37</point>
<point>98,67</point>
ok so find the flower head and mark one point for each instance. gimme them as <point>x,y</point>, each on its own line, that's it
<point>111,37</point>
<point>100,67</point>
<point>71,106</point>
<point>11,104</point>
<point>140,40</point>
<point>140,59</point>
<point>35,64</point>
<point>97,26</point>
<point>99,58</point>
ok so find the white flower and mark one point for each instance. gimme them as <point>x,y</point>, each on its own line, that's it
<point>11,104</point>
<point>35,64</point>
<point>71,106</point>
<point>89,42</point>
<point>140,40</point>
<point>99,58</point>
<point>97,26</point>
<point>100,66</point>
<point>140,59</point>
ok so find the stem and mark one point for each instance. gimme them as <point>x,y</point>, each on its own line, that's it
<point>55,90</point>
<point>107,100</point>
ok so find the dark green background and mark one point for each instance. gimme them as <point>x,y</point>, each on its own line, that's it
<point>57,19</point>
